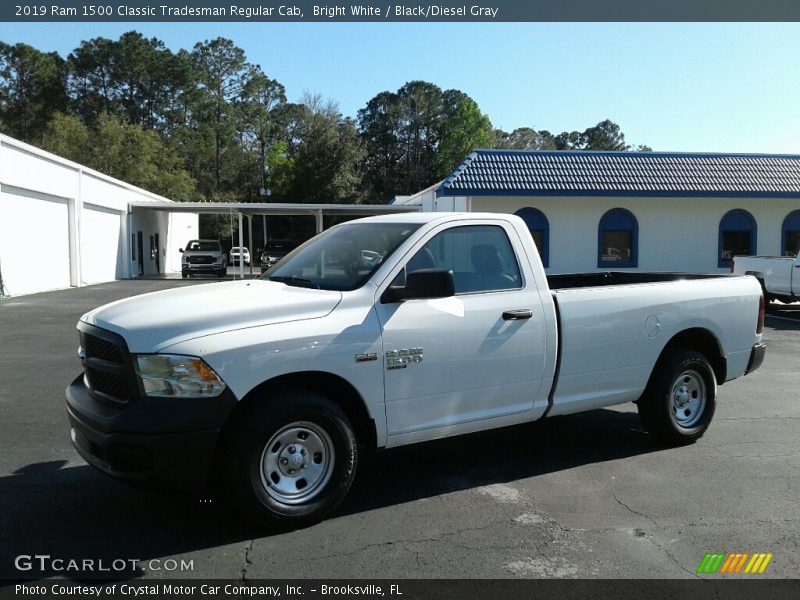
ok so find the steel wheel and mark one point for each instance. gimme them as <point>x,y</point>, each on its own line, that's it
<point>688,398</point>
<point>297,463</point>
<point>680,399</point>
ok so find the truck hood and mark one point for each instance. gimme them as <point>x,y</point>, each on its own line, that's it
<point>151,322</point>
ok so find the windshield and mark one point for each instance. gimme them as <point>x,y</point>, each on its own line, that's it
<point>342,258</point>
<point>202,245</point>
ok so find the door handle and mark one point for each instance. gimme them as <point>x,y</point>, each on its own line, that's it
<point>516,315</point>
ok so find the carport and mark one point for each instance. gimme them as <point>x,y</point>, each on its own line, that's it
<point>249,210</point>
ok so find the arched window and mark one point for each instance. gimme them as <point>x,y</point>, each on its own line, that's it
<point>737,236</point>
<point>790,234</point>
<point>618,239</point>
<point>540,231</point>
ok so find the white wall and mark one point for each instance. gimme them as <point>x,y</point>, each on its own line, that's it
<point>63,225</point>
<point>182,228</point>
<point>675,234</point>
<point>34,243</point>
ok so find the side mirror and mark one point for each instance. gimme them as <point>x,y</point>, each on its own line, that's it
<point>424,283</point>
<point>180,250</point>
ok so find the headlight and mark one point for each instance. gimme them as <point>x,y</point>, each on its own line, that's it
<point>175,376</point>
<point>184,260</point>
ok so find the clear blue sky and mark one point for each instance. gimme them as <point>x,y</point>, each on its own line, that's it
<point>693,87</point>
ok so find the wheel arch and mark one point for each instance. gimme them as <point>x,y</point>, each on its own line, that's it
<point>337,389</point>
<point>699,340</point>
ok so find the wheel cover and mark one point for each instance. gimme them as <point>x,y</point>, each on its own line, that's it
<point>688,398</point>
<point>297,462</point>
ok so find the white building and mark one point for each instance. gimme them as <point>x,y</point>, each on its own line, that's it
<point>62,225</point>
<point>590,211</point>
<point>65,225</point>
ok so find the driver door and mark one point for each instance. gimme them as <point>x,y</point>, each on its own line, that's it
<point>453,361</point>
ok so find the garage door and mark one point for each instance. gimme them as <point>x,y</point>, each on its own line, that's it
<point>100,244</point>
<point>34,242</point>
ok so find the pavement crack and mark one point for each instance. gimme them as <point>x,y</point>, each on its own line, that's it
<point>246,562</point>
<point>635,512</point>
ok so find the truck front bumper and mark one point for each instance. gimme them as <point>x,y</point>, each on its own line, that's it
<point>107,439</point>
<point>756,357</point>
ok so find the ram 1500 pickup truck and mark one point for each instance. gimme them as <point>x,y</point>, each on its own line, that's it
<point>387,331</point>
<point>779,276</point>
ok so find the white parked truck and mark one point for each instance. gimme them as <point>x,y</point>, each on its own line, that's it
<point>779,276</point>
<point>387,331</point>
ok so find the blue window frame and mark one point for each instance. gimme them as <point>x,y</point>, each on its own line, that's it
<point>737,236</point>
<point>618,240</point>
<point>540,231</point>
<point>790,234</point>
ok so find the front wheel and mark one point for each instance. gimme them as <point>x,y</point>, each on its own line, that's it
<point>680,400</point>
<point>291,461</point>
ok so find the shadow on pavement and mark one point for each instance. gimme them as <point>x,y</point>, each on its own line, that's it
<point>76,512</point>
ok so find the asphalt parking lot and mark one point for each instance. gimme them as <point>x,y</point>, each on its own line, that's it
<point>587,496</point>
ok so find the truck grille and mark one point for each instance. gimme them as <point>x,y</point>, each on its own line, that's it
<point>108,368</point>
<point>111,384</point>
<point>100,348</point>
<point>201,260</point>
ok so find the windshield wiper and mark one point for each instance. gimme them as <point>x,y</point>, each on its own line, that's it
<point>295,281</point>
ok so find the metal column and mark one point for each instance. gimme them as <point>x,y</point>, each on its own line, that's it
<point>241,245</point>
<point>250,241</point>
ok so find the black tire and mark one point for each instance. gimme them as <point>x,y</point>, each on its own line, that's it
<point>252,466</point>
<point>680,399</point>
<point>222,273</point>
<point>184,275</point>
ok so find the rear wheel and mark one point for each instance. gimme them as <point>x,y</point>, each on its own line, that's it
<point>291,461</point>
<point>680,400</point>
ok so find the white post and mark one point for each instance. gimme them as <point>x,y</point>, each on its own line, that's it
<point>250,241</point>
<point>241,245</point>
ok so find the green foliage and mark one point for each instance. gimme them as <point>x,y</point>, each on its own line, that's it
<point>524,138</point>
<point>121,150</point>
<point>326,155</point>
<point>207,124</point>
<point>403,132</point>
<point>464,129</point>
<point>32,88</point>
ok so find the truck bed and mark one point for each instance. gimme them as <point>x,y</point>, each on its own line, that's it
<point>613,326</point>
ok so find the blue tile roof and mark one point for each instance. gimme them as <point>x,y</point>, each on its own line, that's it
<point>582,173</point>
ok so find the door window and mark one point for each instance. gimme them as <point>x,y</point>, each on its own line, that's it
<point>480,256</point>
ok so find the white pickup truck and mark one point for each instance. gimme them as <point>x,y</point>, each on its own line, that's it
<point>388,331</point>
<point>779,276</point>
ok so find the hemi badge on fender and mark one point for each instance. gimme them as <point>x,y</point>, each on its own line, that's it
<point>366,357</point>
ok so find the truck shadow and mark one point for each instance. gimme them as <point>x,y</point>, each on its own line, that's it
<point>77,513</point>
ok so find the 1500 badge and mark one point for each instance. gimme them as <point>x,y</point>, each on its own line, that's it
<point>400,359</point>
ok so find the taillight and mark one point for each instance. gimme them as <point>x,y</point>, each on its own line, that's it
<point>762,311</point>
